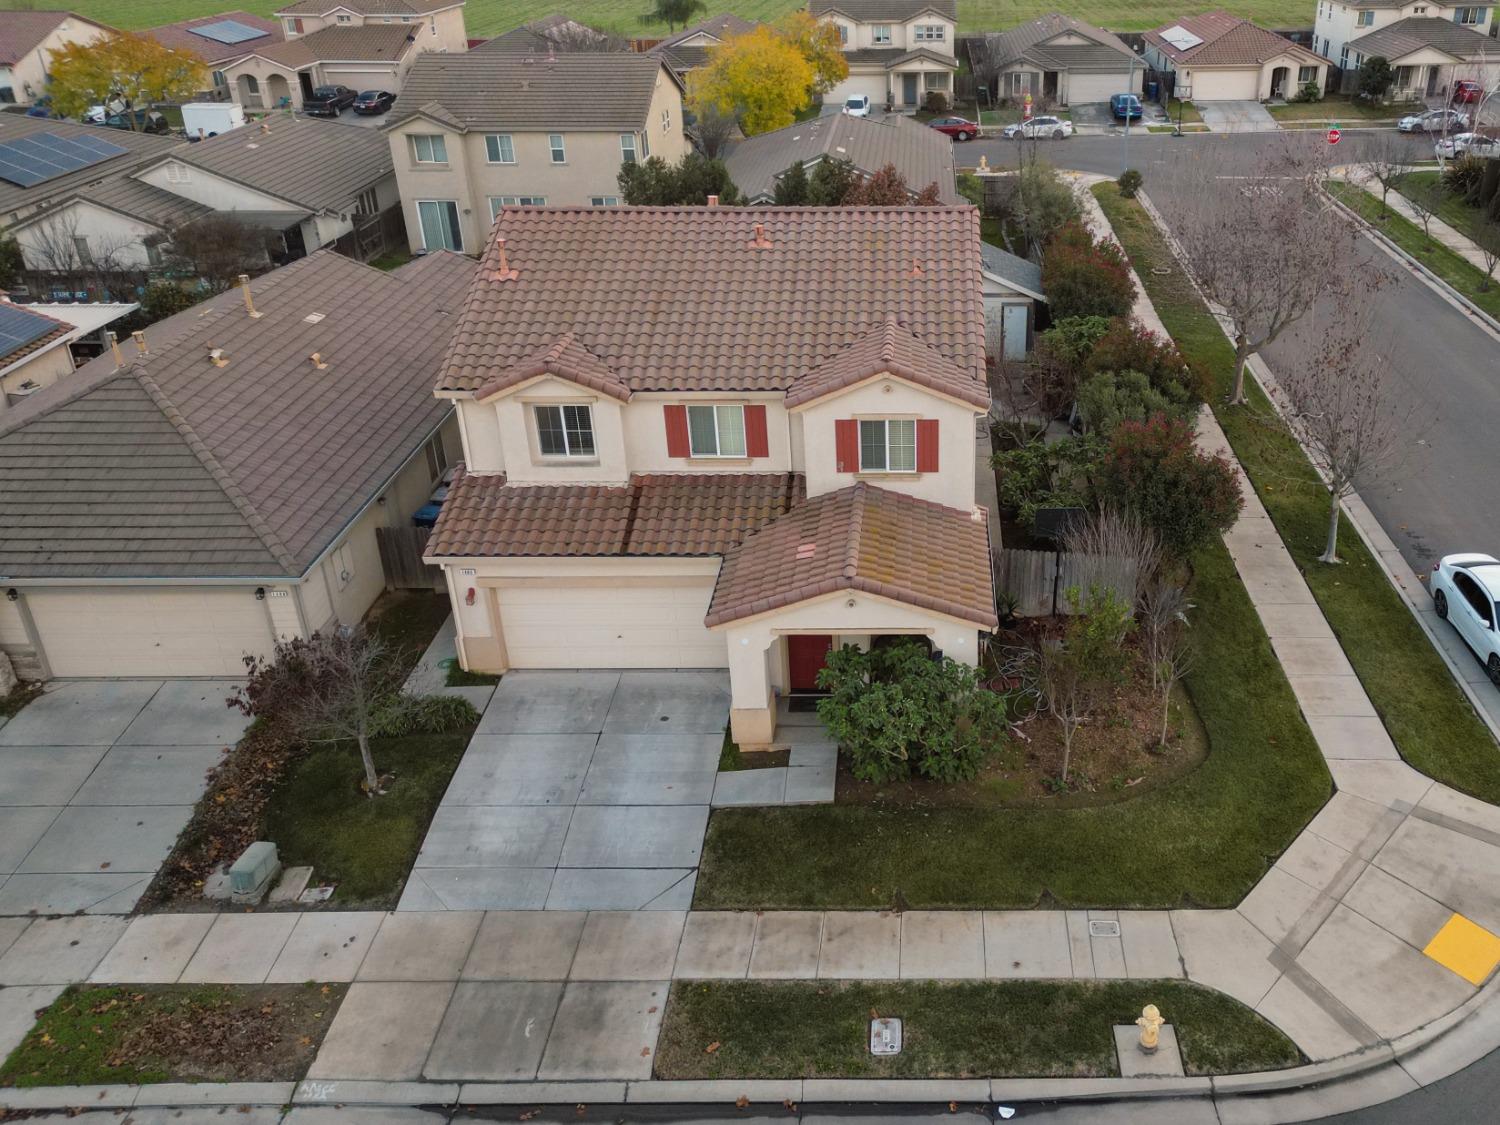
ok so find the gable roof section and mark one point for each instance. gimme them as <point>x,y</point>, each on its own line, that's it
<point>153,205</point>
<point>565,359</point>
<point>604,91</point>
<point>180,36</point>
<point>1012,270</point>
<point>22,32</point>
<point>1227,41</point>
<point>687,56</point>
<point>142,148</point>
<point>366,7</point>
<point>686,514</point>
<point>1030,41</point>
<point>883,11</point>
<point>173,467</point>
<point>889,350</point>
<point>889,57</point>
<point>49,330</point>
<point>556,32</point>
<point>378,42</point>
<point>1414,33</point>
<point>726,299</point>
<point>920,154</point>
<point>863,538</point>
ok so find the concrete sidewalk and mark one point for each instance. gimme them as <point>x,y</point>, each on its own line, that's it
<point>1441,232</point>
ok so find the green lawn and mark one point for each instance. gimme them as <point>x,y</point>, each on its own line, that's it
<point>1203,840</point>
<point>1336,109</point>
<point>1426,713</point>
<point>489,17</point>
<point>1454,211</point>
<point>1458,272</point>
<point>1188,109</point>
<point>1004,1029</point>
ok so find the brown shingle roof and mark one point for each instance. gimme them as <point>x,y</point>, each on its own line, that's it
<point>662,514</point>
<point>1227,41</point>
<point>862,538</point>
<point>893,349</point>
<point>565,359</point>
<point>21,32</point>
<point>181,37</point>
<point>682,299</point>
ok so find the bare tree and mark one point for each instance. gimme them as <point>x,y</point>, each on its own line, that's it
<point>1121,553</point>
<point>1066,691</point>
<point>1387,164</point>
<point>59,244</point>
<point>1264,249</point>
<point>1076,672</point>
<point>1486,238</point>
<point>218,248</point>
<point>1423,200</point>
<point>713,130</point>
<point>1174,660</point>
<point>1163,622</point>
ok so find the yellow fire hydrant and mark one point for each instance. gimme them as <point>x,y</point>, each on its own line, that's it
<point>984,164</point>
<point>1150,1025</point>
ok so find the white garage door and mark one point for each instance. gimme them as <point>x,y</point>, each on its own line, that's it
<point>1225,85</point>
<point>357,80</point>
<point>168,632</point>
<point>875,85</point>
<point>610,626</point>
<point>1085,88</point>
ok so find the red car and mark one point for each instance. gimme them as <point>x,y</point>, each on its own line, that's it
<point>1466,91</point>
<point>959,128</point>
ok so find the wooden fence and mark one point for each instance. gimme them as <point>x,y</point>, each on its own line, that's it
<point>401,557</point>
<point>373,235</point>
<point>1040,580</point>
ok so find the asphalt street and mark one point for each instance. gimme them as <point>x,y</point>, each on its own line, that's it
<point>1442,498</point>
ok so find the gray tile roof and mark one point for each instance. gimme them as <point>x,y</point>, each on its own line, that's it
<point>884,11</point>
<point>1405,36</point>
<point>688,56</point>
<point>922,155</point>
<point>150,204</point>
<point>173,467</point>
<point>319,165</point>
<point>556,32</point>
<point>143,148</point>
<point>378,42</point>
<point>1007,266</point>
<point>364,7</point>
<point>894,56</point>
<point>495,90</point>
<point>1029,40</point>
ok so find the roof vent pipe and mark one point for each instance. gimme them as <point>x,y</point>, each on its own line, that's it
<point>503,272</point>
<point>317,361</point>
<point>713,200</point>
<point>217,357</point>
<point>140,342</point>
<point>249,300</point>
<point>114,350</point>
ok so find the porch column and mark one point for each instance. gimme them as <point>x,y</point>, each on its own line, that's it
<point>752,707</point>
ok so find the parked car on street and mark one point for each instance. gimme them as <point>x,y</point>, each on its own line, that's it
<point>858,105</point>
<point>1465,589</point>
<point>1125,107</point>
<point>1474,144</point>
<point>146,121</point>
<point>1466,92</point>
<point>959,128</point>
<point>328,101</point>
<point>1055,127</point>
<point>371,102</point>
<point>1434,121</point>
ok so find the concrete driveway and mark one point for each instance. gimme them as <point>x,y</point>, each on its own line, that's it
<point>1237,117</point>
<point>97,778</point>
<point>579,791</point>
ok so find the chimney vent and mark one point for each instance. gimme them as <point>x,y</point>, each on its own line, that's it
<point>503,272</point>
<point>265,126</point>
<point>916,269</point>
<point>806,551</point>
<point>140,342</point>
<point>317,361</point>
<point>713,200</point>
<point>217,357</point>
<point>114,350</point>
<point>761,242</point>
<point>249,300</point>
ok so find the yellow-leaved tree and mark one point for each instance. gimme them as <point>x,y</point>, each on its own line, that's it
<point>819,43</point>
<point>130,67</point>
<point>761,77</point>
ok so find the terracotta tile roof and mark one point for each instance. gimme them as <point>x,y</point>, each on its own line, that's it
<point>862,538</point>
<point>55,330</point>
<point>180,36</point>
<point>565,359</point>
<point>21,32</point>
<point>656,514</point>
<point>1227,41</point>
<point>891,348</point>
<point>684,299</point>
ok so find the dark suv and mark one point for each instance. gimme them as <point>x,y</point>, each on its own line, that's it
<point>328,101</point>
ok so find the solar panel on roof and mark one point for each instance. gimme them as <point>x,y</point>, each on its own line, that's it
<point>1180,37</point>
<point>32,160</point>
<point>227,31</point>
<point>19,328</point>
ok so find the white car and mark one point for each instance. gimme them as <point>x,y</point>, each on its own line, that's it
<point>1055,127</point>
<point>857,105</point>
<point>1434,121</point>
<point>1465,590</point>
<point>1476,144</point>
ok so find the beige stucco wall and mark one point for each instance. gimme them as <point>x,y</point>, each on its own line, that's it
<point>439,31</point>
<point>211,190</point>
<point>903,35</point>
<point>43,369</point>
<point>1337,23</point>
<point>111,236</point>
<point>31,69</point>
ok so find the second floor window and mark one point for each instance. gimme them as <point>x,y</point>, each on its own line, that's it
<point>559,153</point>
<point>1468,16</point>
<point>716,431</point>
<point>931,33</point>
<point>429,148</point>
<point>881,33</point>
<point>500,149</point>
<point>500,202</point>
<point>564,431</point>
<point>888,445</point>
<point>627,148</point>
<point>344,19</point>
<point>1364,19</point>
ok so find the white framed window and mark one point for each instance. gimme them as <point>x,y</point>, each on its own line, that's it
<point>1306,74</point>
<point>1364,18</point>
<point>843,35</point>
<point>367,203</point>
<point>935,80</point>
<point>666,121</point>
<point>1020,82</point>
<point>498,202</point>
<point>564,431</point>
<point>887,445</point>
<point>716,431</point>
<point>437,457</point>
<point>343,18</point>
<point>343,564</point>
<point>627,148</point>
<point>434,25</point>
<point>499,148</point>
<point>1344,57</point>
<point>1469,17</point>
<point>293,26</point>
<point>440,229</point>
<point>604,201</point>
<point>81,248</point>
<point>406,19</point>
<point>931,33</point>
<point>881,34</point>
<point>429,148</point>
<point>559,150</point>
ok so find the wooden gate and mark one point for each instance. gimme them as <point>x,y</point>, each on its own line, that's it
<point>1040,580</point>
<point>401,558</point>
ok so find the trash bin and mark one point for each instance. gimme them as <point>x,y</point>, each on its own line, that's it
<point>1150,91</point>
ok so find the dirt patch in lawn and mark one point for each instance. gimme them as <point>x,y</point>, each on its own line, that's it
<point>175,1033</point>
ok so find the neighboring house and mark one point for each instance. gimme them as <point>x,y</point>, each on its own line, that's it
<point>169,510</point>
<point>550,34</point>
<point>688,49</point>
<point>1059,58</point>
<point>1012,292</point>
<point>438,24</point>
<point>1338,23</point>
<point>1219,57</point>
<point>119,223</point>
<point>922,155</point>
<point>284,75</point>
<point>711,437</point>
<point>33,353</point>
<point>897,50</point>
<point>220,40</point>
<point>1428,55</point>
<point>27,40</point>
<point>484,130</point>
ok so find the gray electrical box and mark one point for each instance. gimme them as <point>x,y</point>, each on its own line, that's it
<point>885,1036</point>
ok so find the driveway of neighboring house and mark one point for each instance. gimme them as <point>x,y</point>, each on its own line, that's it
<point>1237,117</point>
<point>579,791</point>
<point>97,778</point>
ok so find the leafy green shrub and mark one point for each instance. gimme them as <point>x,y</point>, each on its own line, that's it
<point>423,714</point>
<point>935,102</point>
<point>1130,182</point>
<point>1072,340</point>
<point>1374,79</point>
<point>1463,176</point>
<point>1129,346</point>
<point>1112,397</point>
<point>1308,92</point>
<point>1083,276</point>
<point>1041,474</point>
<point>896,710</point>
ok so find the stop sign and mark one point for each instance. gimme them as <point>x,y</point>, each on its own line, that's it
<point>1334,135</point>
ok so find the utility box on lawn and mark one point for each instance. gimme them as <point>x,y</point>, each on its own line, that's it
<point>251,874</point>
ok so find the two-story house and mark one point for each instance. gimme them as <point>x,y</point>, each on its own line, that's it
<point>1427,56</point>
<point>27,42</point>
<point>897,50</point>
<point>1339,23</point>
<point>476,132</point>
<point>713,437</point>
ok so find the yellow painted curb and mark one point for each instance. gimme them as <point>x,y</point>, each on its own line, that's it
<point>1466,948</point>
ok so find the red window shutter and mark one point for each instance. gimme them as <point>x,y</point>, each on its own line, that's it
<point>677,432</point>
<point>846,444</point>
<point>927,445</point>
<point>757,443</point>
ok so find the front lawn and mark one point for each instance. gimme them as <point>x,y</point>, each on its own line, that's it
<point>408,620</point>
<point>1335,109</point>
<point>114,1035</point>
<point>1425,711</point>
<point>1001,1029</point>
<point>1202,840</point>
<point>1454,211</point>
<point>1188,110</point>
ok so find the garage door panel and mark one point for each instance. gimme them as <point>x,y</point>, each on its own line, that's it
<point>598,626</point>
<point>1086,88</point>
<point>1225,86</point>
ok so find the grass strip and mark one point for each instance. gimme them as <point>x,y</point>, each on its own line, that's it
<point>1428,716</point>
<point>1203,840</point>
<point>1002,1029</point>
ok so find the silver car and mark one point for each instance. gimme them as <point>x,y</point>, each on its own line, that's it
<point>1465,589</point>
<point>1434,121</point>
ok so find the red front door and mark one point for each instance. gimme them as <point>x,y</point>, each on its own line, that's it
<point>806,656</point>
